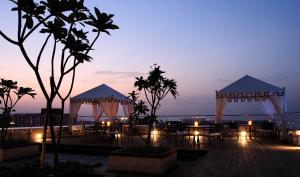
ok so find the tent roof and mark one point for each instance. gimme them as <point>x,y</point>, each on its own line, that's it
<point>248,84</point>
<point>101,93</point>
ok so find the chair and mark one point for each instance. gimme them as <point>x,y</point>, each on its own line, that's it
<point>233,129</point>
<point>181,131</point>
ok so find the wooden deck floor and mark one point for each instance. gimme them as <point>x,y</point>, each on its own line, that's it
<point>234,158</point>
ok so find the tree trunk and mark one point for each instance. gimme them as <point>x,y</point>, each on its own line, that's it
<point>44,143</point>
<point>60,128</point>
<point>148,143</point>
<point>53,139</point>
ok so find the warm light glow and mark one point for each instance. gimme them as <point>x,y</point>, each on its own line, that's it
<point>196,133</point>
<point>108,123</point>
<point>118,135</point>
<point>250,122</point>
<point>196,124</point>
<point>243,134</point>
<point>38,137</point>
<point>297,132</point>
<point>243,138</point>
<point>102,122</point>
<point>154,132</point>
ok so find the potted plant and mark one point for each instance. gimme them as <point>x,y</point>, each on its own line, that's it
<point>10,95</point>
<point>148,159</point>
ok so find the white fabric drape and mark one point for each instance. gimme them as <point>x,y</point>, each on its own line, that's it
<point>74,108</point>
<point>268,108</point>
<point>128,109</point>
<point>97,111</point>
<point>73,111</point>
<point>110,109</point>
<point>279,103</point>
<point>220,106</point>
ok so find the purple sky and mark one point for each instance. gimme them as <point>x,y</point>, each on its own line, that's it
<point>203,45</point>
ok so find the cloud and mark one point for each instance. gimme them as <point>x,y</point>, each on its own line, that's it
<point>119,74</point>
<point>3,67</point>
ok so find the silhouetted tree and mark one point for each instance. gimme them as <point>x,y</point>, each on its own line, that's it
<point>10,95</point>
<point>155,87</point>
<point>139,109</point>
<point>66,23</point>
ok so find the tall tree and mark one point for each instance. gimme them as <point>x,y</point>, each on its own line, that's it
<point>155,87</point>
<point>64,24</point>
<point>10,95</point>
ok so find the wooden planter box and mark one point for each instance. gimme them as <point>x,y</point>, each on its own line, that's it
<point>18,151</point>
<point>142,163</point>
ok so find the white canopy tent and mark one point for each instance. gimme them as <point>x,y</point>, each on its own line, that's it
<point>103,99</point>
<point>247,88</point>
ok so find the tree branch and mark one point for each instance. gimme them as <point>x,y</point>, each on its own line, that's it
<point>147,97</point>
<point>19,22</point>
<point>66,61</point>
<point>36,26</point>
<point>52,58</point>
<point>98,34</point>
<point>23,31</point>
<point>8,39</point>
<point>41,51</point>
<point>40,81</point>
<point>70,69</point>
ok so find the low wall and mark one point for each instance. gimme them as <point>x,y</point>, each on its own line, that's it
<point>31,133</point>
<point>19,152</point>
<point>139,163</point>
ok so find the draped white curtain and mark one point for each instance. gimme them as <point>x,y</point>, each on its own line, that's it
<point>279,103</point>
<point>128,109</point>
<point>74,108</point>
<point>268,108</point>
<point>97,111</point>
<point>220,105</point>
<point>110,108</point>
<point>73,111</point>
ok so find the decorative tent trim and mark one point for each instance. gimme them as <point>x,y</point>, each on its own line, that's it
<point>249,88</point>
<point>101,93</point>
<point>103,99</point>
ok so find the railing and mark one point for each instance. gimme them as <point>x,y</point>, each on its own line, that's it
<point>36,119</point>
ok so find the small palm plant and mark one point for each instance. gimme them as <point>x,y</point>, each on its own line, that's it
<point>155,87</point>
<point>10,95</point>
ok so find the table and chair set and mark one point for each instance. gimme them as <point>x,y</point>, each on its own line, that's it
<point>217,132</point>
<point>104,132</point>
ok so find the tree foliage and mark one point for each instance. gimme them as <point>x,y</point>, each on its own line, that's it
<point>155,88</point>
<point>10,95</point>
<point>66,23</point>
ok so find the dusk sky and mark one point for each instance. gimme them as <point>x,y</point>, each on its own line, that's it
<point>204,45</point>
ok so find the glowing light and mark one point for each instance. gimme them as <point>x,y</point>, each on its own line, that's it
<point>108,123</point>
<point>243,134</point>
<point>118,135</point>
<point>154,132</point>
<point>196,123</point>
<point>12,123</point>
<point>102,122</point>
<point>297,132</point>
<point>38,137</point>
<point>196,133</point>
<point>243,138</point>
<point>250,122</point>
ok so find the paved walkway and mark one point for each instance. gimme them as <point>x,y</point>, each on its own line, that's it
<point>230,158</point>
<point>246,159</point>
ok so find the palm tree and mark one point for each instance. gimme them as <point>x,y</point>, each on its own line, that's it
<point>155,87</point>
